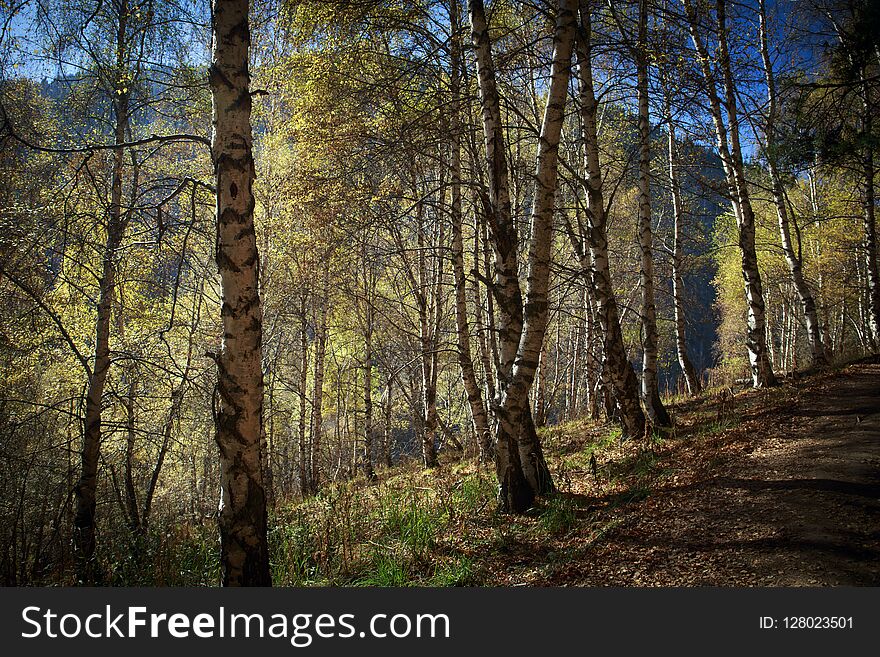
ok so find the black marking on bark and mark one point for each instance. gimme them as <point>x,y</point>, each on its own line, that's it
<point>243,164</point>
<point>224,262</point>
<point>256,324</point>
<point>216,77</point>
<point>242,102</point>
<point>241,31</point>
<point>230,217</point>
<point>251,260</point>
<point>246,232</point>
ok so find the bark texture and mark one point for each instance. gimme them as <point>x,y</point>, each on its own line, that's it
<point>479,416</point>
<point>239,412</point>
<point>650,338</point>
<point>514,491</point>
<point>520,466</point>
<point>616,366</point>
<point>692,380</point>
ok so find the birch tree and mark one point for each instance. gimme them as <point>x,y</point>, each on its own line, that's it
<point>594,254</point>
<point>479,416</point>
<point>692,380</point>
<point>239,394</point>
<point>792,257</point>
<point>650,389</point>
<point>728,141</point>
<point>520,466</point>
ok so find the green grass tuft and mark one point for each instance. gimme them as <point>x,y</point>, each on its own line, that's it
<point>559,516</point>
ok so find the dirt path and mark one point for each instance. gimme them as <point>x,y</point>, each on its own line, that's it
<point>790,497</point>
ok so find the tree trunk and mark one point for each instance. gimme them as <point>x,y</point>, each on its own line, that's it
<point>574,378</point>
<point>305,470</point>
<point>465,360</point>
<point>540,414</point>
<point>515,493</point>
<point>792,258</point>
<point>520,466</point>
<point>86,488</point>
<point>176,403</point>
<point>131,499</point>
<point>732,161</point>
<point>387,435</point>
<point>239,414</point>
<point>616,365</point>
<point>486,355</point>
<point>369,428</point>
<point>429,360</point>
<point>590,363</point>
<point>492,357</point>
<point>868,202</point>
<point>694,386</point>
<point>502,230</point>
<point>650,390</point>
<point>317,418</point>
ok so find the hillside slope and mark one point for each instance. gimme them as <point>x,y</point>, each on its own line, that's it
<point>782,490</point>
<point>777,487</point>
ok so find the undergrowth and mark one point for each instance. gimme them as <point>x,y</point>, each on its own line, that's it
<point>440,527</point>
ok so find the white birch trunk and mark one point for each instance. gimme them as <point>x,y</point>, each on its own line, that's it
<point>239,413</point>
<point>514,492</point>
<point>520,466</point>
<point>732,161</point>
<point>479,417</point>
<point>687,368</point>
<point>616,365</point>
<point>514,401</point>
<point>650,390</point>
<point>792,258</point>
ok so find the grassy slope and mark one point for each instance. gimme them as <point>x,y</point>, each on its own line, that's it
<point>440,528</point>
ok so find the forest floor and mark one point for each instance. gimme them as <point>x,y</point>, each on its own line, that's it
<point>773,487</point>
<point>777,487</point>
